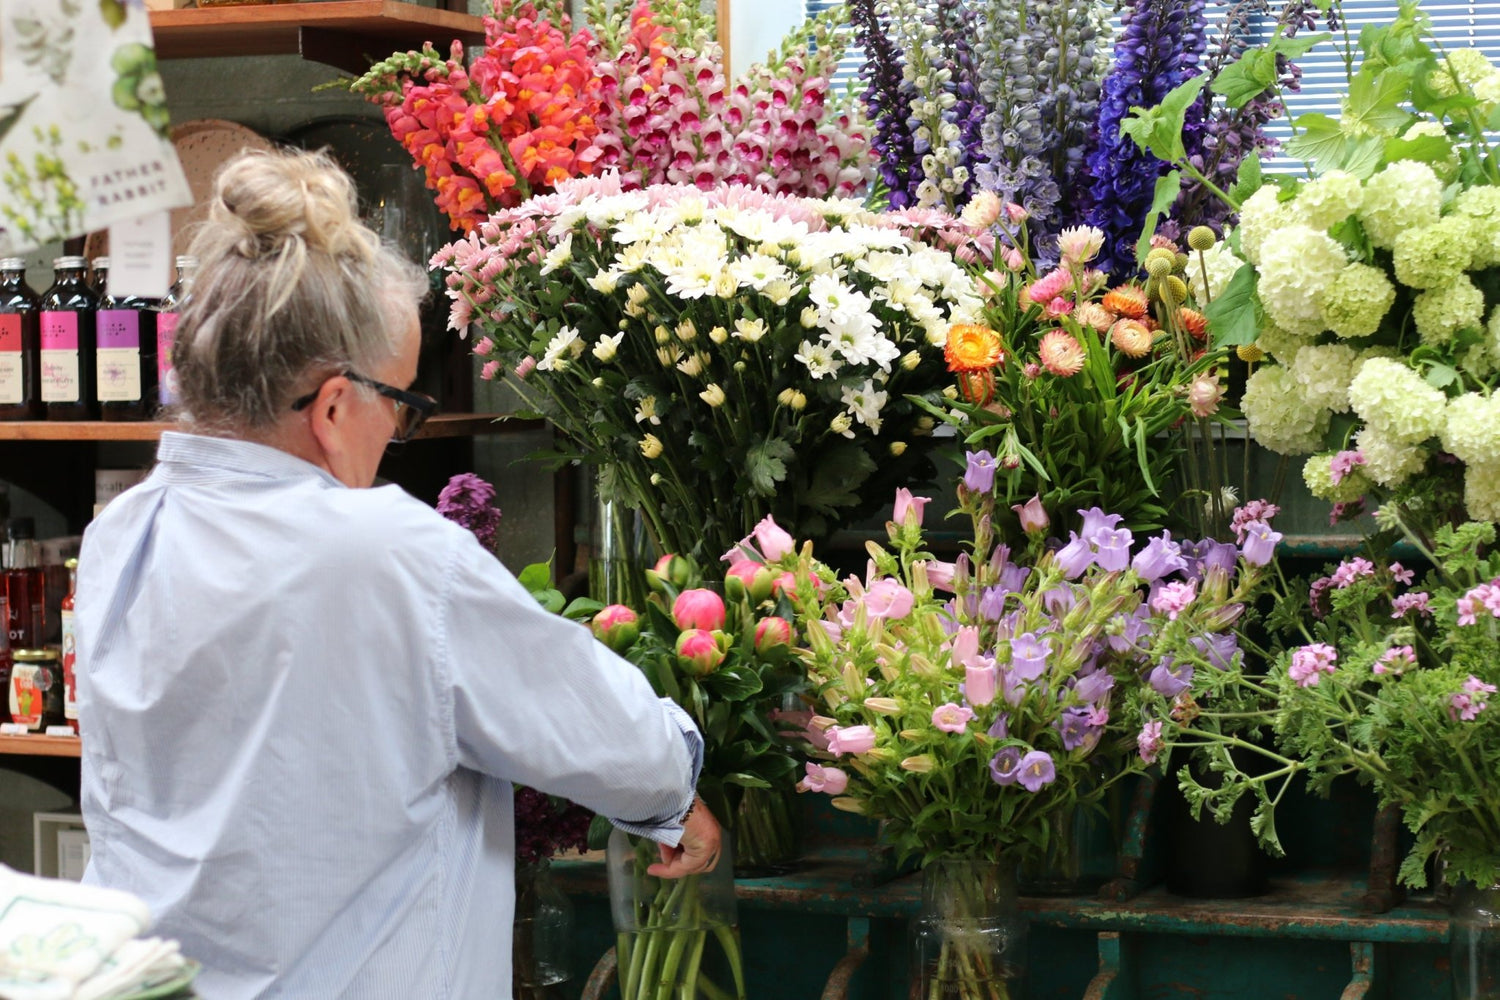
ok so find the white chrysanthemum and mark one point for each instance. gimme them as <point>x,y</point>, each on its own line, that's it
<point>1388,462</point>
<point>1220,262</point>
<point>562,348</point>
<point>818,358</point>
<point>1277,416</point>
<point>1472,430</point>
<point>1394,399</point>
<point>1405,195</point>
<point>1279,344</point>
<point>1439,313</point>
<point>558,256</point>
<point>1296,264</point>
<point>864,404</point>
<point>1482,491</point>
<point>1261,215</point>
<point>1323,373</point>
<point>1482,203</point>
<point>1330,199</point>
<point>1357,300</point>
<point>1317,473</point>
<point>757,271</point>
<point>608,346</point>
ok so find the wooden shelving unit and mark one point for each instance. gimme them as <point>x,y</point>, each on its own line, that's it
<point>41,746</point>
<point>342,33</point>
<point>443,425</point>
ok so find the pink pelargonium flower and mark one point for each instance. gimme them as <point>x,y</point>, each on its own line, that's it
<point>951,718</point>
<point>698,651</point>
<point>698,609</point>
<point>1466,705</point>
<point>908,506</point>
<point>1395,660</point>
<point>1148,742</point>
<point>1310,662</point>
<point>1173,598</point>
<point>888,599</point>
<point>850,739</point>
<point>1343,464</point>
<point>825,779</point>
<point>616,626</point>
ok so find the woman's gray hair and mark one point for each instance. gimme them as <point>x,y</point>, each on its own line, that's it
<point>290,286</point>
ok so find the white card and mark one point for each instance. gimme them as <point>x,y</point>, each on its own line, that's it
<point>140,256</point>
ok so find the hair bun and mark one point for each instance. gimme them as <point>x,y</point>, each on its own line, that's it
<point>273,204</point>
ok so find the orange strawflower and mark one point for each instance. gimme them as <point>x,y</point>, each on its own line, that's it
<point>1193,322</point>
<point>972,348</point>
<point>1126,300</point>
<point>1131,338</point>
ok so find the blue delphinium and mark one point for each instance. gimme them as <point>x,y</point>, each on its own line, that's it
<point>887,100</point>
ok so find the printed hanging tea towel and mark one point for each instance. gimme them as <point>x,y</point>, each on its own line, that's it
<point>83,121</point>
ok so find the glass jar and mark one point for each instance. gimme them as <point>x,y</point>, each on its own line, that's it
<point>35,690</point>
<point>1474,940</point>
<point>969,938</point>
<point>768,831</point>
<point>674,937</point>
<point>543,933</point>
<point>1080,854</point>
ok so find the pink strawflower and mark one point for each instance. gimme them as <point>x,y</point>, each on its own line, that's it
<point>1204,395</point>
<point>1395,660</point>
<point>1079,244</point>
<point>1057,308</point>
<point>1148,742</point>
<point>1031,370</point>
<point>1173,598</point>
<point>1344,463</point>
<point>1013,259</point>
<point>1310,662</point>
<point>1049,286</point>
<point>1061,354</point>
<point>1418,601</point>
<point>951,718</point>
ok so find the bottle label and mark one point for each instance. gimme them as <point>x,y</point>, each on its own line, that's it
<point>118,371</point>
<point>119,328</point>
<point>60,381</point>
<point>166,335</point>
<point>12,379</point>
<point>29,685</point>
<point>69,659</point>
<point>10,332</point>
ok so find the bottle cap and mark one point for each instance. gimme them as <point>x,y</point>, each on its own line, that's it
<point>69,263</point>
<point>100,262</point>
<point>186,261</point>
<point>12,263</point>
<point>71,563</point>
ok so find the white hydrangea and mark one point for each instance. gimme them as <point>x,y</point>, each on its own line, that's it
<point>1323,373</point>
<point>1439,313</point>
<point>1329,199</point>
<point>1472,430</point>
<point>1388,462</point>
<point>1278,343</point>
<point>1277,416</point>
<point>1262,214</point>
<point>1394,399</point>
<point>1221,262</point>
<point>1482,491</point>
<point>1405,195</point>
<point>1296,264</point>
<point>1482,203</point>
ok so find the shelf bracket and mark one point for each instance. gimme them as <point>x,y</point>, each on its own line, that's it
<point>1362,985</point>
<point>837,987</point>
<point>602,978</point>
<point>1110,982</point>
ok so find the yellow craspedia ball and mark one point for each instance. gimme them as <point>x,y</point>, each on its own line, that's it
<point>1202,238</point>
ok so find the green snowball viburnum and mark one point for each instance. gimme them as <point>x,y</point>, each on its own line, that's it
<point>1357,300</point>
<point>1317,473</point>
<point>1405,195</point>
<point>1395,400</point>
<point>1439,313</point>
<point>1330,199</point>
<point>1434,256</point>
<point>1472,429</point>
<point>1482,204</point>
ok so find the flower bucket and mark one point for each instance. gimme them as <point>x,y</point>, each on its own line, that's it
<point>1475,942</point>
<point>969,940</point>
<point>675,938</point>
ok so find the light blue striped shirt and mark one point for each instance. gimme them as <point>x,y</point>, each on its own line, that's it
<point>302,708</point>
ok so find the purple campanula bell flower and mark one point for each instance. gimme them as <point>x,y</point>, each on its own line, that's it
<point>1095,521</point>
<point>1260,543</point>
<point>1217,555</point>
<point>1012,578</point>
<point>1218,648</point>
<point>979,476</point>
<point>992,603</point>
<point>1170,678</point>
<point>1095,686</point>
<point>1028,656</point>
<point>1059,600</point>
<point>1112,549</point>
<point>1075,557</point>
<point>1160,557</point>
<point>1000,728</point>
<point>1037,770</point>
<point>1005,766</point>
<point>1073,727</point>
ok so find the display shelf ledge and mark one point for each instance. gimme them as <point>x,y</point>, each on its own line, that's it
<point>1318,906</point>
<point>443,425</point>
<point>41,746</point>
<point>342,33</point>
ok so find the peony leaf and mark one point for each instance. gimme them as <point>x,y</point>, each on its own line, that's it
<point>1235,315</point>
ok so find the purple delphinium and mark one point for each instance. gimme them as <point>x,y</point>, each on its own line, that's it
<point>1160,47</point>
<point>468,500</point>
<point>886,99</point>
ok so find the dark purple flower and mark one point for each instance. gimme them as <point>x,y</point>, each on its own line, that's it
<point>546,825</point>
<point>469,501</point>
<point>1000,728</point>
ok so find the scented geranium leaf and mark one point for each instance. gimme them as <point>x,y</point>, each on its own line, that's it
<point>834,482</point>
<point>1235,315</point>
<point>1158,130</point>
<point>765,464</point>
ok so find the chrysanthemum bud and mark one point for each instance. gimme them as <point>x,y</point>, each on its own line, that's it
<point>898,448</point>
<point>1202,238</point>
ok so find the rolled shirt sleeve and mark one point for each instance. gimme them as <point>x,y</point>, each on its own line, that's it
<point>537,700</point>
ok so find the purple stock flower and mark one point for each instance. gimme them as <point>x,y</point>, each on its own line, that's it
<point>1160,557</point>
<point>979,476</point>
<point>1075,557</point>
<point>1170,678</point>
<point>1028,655</point>
<point>1037,770</point>
<point>1260,543</point>
<point>1005,766</point>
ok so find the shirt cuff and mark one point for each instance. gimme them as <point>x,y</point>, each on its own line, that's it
<point>668,830</point>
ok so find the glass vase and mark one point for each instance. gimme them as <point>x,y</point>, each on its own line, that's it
<point>675,938</point>
<point>768,831</point>
<point>543,936</point>
<point>618,555</point>
<point>1080,855</point>
<point>1475,942</point>
<point>969,939</point>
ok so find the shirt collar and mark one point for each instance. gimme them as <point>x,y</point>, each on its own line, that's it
<point>235,455</point>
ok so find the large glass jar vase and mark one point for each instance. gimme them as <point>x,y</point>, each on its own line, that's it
<point>768,831</point>
<point>969,939</point>
<point>675,938</point>
<point>1475,942</point>
<point>542,938</point>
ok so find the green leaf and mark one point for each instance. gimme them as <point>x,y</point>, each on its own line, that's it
<point>1168,185</point>
<point>1234,316</point>
<point>834,483</point>
<point>1441,376</point>
<point>1248,181</point>
<point>1320,138</point>
<point>537,576</point>
<point>1424,149</point>
<point>112,12</point>
<point>1158,130</point>
<point>1247,77</point>
<point>1375,102</point>
<point>746,780</point>
<point>733,683</point>
<point>765,463</point>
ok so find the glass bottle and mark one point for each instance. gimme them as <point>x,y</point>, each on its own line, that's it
<point>69,648</point>
<point>125,359</point>
<point>167,311</point>
<point>35,689</point>
<point>25,584</point>
<point>20,344</point>
<point>542,937</point>
<point>69,312</point>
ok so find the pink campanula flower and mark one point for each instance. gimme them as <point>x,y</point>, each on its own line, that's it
<point>698,651</point>
<point>1395,660</point>
<point>888,599</point>
<point>616,626</point>
<point>850,739</point>
<point>965,645</point>
<point>1034,519</point>
<point>825,779</point>
<point>698,609</point>
<point>981,681</point>
<point>1037,770</point>
<point>773,541</point>
<point>940,574</point>
<point>908,506</point>
<point>1148,742</point>
<point>951,718</point>
<point>1310,662</point>
<point>771,633</point>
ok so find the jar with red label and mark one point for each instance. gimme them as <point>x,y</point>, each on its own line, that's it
<point>35,689</point>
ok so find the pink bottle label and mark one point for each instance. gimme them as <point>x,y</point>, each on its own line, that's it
<point>59,331</point>
<point>166,335</point>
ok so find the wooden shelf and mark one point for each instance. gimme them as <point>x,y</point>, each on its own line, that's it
<point>41,746</point>
<point>348,34</point>
<point>443,425</point>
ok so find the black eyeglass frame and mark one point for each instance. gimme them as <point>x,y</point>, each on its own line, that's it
<point>418,403</point>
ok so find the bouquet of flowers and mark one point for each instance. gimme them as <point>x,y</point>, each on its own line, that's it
<point>1082,394</point>
<point>723,355</point>
<point>1389,681</point>
<point>1370,288</point>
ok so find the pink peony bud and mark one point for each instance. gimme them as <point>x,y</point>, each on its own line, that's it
<point>669,569</point>
<point>616,626</point>
<point>698,609</point>
<point>772,633</point>
<point>750,579</point>
<point>1034,519</point>
<point>698,651</point>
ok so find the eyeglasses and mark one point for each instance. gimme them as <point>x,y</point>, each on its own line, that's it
<point>412,408</point>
